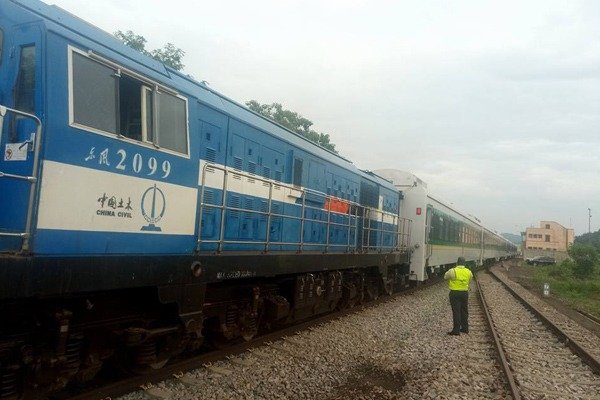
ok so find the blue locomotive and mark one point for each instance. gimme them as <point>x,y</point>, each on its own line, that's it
<point>143,212</point>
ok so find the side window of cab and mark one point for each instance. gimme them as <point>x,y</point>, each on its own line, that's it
<point>109,99</point>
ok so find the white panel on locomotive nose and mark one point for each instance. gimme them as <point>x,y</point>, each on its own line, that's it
<point>413,207</point>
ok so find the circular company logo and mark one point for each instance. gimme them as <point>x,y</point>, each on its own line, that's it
<point>153,207</point>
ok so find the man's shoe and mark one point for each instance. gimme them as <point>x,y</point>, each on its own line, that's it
<point>453,333</point>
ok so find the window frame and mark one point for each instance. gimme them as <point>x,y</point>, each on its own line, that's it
<point>20,78</point>
<point>144,115</point>
<point>72,121</point>
<point>146,84</point>
<point>156,94</point>
<point>1,45</point>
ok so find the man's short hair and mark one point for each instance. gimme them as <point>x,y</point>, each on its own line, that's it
<point>460,261</point>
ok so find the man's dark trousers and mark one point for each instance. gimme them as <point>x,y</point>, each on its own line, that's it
<point>459,301</point>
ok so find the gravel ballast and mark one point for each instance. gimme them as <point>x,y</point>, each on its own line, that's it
<point>397,350</point>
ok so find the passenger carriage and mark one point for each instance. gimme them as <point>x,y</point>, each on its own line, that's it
<point>441,233</point>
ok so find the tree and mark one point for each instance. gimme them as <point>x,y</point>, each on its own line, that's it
<point>592,239</point>
<point>585,258</point>
<point>169,54</point>
<point>136,42</point>
<point>293,121</point>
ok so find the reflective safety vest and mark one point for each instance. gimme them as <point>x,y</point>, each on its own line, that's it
<point>463,277</point>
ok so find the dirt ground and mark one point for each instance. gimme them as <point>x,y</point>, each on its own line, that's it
<point>524,275</point>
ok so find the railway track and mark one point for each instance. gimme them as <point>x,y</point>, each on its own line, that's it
<point>541,359</point>
<point>468,365</point>
<point>503,334</point>
<point>110,389</point>
<point>580,339</point>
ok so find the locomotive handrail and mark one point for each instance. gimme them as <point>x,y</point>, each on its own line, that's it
<point>269,213</point>
<point>33,178</point>
<point>8,234</point>
<point>401,234</point>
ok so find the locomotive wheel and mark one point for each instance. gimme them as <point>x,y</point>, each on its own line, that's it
<point>373,291</point>
<point>250,331</point>
<point>125,364</point>
<point>249,325</point>
<point>145,369</point>
<point>388,286</point>
<point>140,360</point>
<point>347,303</point>
<point>159,365</point>
<point>349,296</point>
<point>248,336</point>
<point>350,303</point>
<point>218,341</point>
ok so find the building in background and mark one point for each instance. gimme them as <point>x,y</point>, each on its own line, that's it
<point>550,239</point>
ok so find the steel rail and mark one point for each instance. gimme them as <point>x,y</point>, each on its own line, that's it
<point>506,368</point>
<point>589,316</point>
<point>573,344</point>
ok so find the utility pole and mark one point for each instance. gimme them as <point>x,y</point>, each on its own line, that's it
<point>589,220</point>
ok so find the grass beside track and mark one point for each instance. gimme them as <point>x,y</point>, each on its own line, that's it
<point>582,294</point>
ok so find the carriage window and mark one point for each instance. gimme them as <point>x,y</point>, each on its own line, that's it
<point>172,123</point>
<point>25,87</point>
<point>94,94</point>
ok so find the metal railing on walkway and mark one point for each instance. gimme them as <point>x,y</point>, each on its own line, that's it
<point>333,214</point>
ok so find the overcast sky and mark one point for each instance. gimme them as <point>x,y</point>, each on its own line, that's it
<point>495,104</point>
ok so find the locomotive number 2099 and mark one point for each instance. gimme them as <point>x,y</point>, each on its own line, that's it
<point>121,161</point>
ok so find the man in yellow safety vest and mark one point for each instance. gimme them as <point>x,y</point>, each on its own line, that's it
<point>458,279</point>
